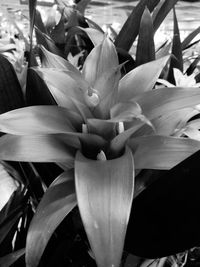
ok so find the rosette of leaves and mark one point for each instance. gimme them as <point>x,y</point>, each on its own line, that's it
<point>104,130</point>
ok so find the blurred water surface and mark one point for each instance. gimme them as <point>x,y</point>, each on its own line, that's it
<point>116,11</point>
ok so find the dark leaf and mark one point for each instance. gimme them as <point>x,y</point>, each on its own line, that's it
<point>37,92</point>
<point>145,47</point>
<point>58,32</point>
<point>161,12</point>
<point>177,60</point>
<point>81,6</point>
<point>32,12</point>
<point>11,96</point>
<point>9,259</point>
<point>130,29</point>
<point>190,37</point>
<point>47,42</point>
<point>193,66</point>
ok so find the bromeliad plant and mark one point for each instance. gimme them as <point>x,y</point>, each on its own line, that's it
<point>103,132</point>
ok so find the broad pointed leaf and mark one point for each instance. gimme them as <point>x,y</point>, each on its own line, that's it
<point>37,120</point>
<point>101,59</point>
<point>107,88</point>
<point>57,202</point>
<point>145,46</point>
<point>67,88</point>
<point>63,100</point>
<point>141,79</point>
<point>65,80</point>
<point>160,101</point>
<point>41,148</point>
<point>161,152</point>
<point>104,193</point>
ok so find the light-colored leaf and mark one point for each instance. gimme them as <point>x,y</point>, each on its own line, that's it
<point>118,143</point>
<point>36,120</point>
<point>66,89</point>
<point>104,193</point>
<point>101,59</point>
<point>64,100</point>
<point>70,82</point>
<point>141,79</point>
<point>40,148</point>
<point>161,152</point>
<point>57,202</point>
<point>160,101</point>
<point>192,133</point>
<point>125,111</point>
<point>7,186</point>
<point>107,88</point>
<point>194,123</point>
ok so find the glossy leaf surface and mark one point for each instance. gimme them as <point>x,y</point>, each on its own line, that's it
<point>104,193</point>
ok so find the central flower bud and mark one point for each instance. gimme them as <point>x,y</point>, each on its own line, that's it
<point>92,98</point>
